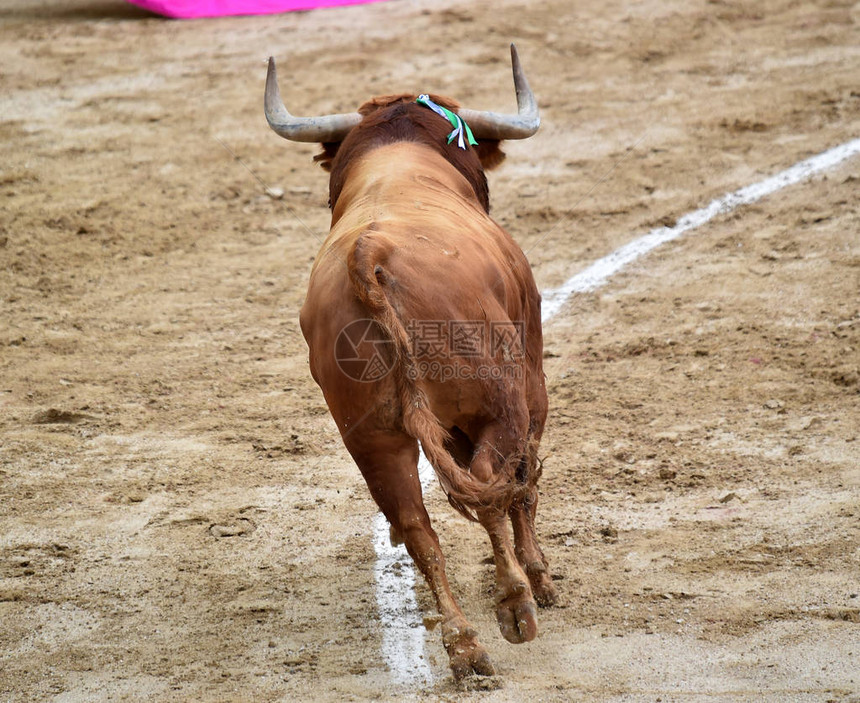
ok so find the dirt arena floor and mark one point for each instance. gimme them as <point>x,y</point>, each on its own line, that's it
<point>178,518</point>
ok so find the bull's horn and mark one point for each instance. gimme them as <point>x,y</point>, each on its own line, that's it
<point>327,128</point>
<point>491,125</point>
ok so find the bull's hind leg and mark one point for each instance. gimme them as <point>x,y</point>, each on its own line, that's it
<point>522,512</point>
<point>529,553</point>
<point>515,606</point>
<point>389,463</point>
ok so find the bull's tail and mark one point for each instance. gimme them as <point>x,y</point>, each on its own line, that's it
<point>371,283</point>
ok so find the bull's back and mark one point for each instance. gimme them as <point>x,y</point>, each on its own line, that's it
<point>417,242</point>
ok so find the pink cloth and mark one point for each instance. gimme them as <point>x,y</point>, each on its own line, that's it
<point>188,9</point>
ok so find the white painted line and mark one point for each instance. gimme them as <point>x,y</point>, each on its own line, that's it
<point>600,271</point>
<point>402,628</point>
<point>402,633</point>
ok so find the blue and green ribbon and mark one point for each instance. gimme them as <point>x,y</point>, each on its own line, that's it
<point>461,132</point>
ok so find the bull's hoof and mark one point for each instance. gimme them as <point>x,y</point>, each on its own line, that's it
<point>481,683</point>
<point>517,615</point>
<point>542,585</point>
<point>472,664</point>
<point>466,655</point>
<point>545,594</point>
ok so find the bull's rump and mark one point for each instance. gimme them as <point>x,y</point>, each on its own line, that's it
<point>464,300</point>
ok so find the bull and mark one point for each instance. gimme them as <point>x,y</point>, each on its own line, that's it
<point>423,324</point>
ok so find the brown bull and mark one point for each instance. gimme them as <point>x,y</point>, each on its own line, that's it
<point>423,323</point>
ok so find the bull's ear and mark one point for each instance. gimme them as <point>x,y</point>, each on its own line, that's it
<point>490,153</point>
<point>326,156</point>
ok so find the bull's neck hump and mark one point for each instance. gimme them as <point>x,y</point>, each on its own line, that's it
<point>391,178</point>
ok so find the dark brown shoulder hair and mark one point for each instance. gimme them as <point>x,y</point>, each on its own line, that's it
<point>397,118</point>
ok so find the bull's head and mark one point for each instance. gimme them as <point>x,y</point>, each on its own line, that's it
<point>333,128</point>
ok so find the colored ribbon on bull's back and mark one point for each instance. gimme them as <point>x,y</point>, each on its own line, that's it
<point>461,129</point>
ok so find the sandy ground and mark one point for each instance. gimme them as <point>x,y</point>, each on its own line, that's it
<point>178,518</point>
